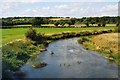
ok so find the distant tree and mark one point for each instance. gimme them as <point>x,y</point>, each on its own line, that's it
<point>69,23</point>
<point>72,21</point>
<point>56,23</point>
<point>62,23</point>
<point>103,23</point>
<point>86,22</point>
<point>37,21</point>
<point>99,25</point>
<point>92,22</point>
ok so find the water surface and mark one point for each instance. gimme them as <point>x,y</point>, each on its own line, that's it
<point>70,60</point>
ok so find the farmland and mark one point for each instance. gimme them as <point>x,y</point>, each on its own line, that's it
<point>18,33</point>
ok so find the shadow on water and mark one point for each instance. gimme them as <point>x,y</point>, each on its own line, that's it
<point>70,60</point>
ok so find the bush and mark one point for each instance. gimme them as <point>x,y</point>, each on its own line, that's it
<point>34,36</point>
<point>31,34</point>
<point>40,38</point>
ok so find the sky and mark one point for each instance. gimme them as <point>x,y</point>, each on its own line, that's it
<point>56,8</point>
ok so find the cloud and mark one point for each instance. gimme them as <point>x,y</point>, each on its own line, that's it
<point>111,10</point>
<point>79,9</point>
<point>71,9</point>
<point>8,8</point>
<point>28,1</point>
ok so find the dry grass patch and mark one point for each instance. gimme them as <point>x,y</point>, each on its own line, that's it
<point>106,44</point>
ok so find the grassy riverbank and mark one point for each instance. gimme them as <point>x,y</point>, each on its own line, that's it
<point>105,44</point>
<point>12,34</point>
<point>16,53</point>
<point>13,50</point>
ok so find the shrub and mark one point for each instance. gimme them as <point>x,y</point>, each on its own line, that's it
<point>31,34</point>
<point>34,36</point>
<point>40,38</point>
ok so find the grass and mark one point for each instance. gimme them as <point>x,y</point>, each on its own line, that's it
<point>106,44</point>
<point>18,33</point>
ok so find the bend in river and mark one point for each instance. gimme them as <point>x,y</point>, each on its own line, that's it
<point>70,60</point>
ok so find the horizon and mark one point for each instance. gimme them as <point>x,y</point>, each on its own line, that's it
<point>57,16</point>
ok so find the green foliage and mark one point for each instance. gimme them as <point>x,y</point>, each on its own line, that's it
<point>69,23</point>
<point>37,21</point>
<point>86,22</point>
<point>33,35</point>
<point>16,54</point>
<point>72,21</point>
<point>92,22</point>
<point>99,25</point>
<point>62,23</point>
<point>106,51</point>
<point>56,23</point>
<point>18,33</point>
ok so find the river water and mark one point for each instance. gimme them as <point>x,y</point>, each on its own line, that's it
<point>70,60</point>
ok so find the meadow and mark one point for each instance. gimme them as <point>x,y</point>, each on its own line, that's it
<point>12,34</point>
<point>105,44</point>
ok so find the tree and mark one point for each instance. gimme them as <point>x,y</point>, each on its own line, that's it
<point>37,21</point>
<point>92,22</point>
<point>69,23</point>
<point>86,22</point>
<point>99,25</point>
<point>72,21</point>
<point>62,23</point>
<point>103,23</point>
<point>56,23</point>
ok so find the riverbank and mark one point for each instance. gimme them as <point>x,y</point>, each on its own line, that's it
<point>105,44</point>
<point>17,53</point>
<point>12,34</point>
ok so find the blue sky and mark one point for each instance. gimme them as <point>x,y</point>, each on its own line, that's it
<point>70,8</point>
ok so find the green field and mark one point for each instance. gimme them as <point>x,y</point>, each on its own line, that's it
<point>18,33</point>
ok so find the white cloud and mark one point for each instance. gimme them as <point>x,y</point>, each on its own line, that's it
<point>8,8</point>
<point>110,10</point>
<point>72,9</point>
<point>30,1</point>
<point>66,9</point>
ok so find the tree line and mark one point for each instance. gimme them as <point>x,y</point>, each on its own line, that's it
<point>37,21</point>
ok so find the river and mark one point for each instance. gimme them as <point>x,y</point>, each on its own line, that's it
<point>70,60</point>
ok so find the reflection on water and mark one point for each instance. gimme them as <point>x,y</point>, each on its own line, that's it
<point>70,60</point>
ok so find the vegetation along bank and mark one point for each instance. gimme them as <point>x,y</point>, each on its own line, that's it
<point>15,54</point>
<point>105,44</point>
